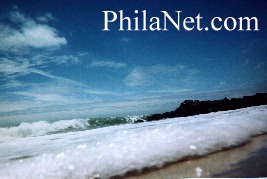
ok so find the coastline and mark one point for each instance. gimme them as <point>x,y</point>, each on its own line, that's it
<point>247,160</point>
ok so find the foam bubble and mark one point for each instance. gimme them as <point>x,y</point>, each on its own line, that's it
<point>192,147</point>
<point>199,171</point>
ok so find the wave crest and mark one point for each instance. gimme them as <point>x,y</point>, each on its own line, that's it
<point>43,127</point>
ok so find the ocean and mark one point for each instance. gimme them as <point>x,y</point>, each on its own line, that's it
<point>107,147</point>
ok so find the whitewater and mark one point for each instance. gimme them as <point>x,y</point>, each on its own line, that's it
<point>75,149</point>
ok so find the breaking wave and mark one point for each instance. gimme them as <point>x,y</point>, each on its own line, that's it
<point>62,126</point>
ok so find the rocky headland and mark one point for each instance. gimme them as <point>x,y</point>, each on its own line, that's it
<point>195,107</point>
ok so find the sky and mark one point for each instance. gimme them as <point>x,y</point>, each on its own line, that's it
<point>57,63</point>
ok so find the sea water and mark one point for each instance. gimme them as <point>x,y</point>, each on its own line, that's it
<point>78,149</point>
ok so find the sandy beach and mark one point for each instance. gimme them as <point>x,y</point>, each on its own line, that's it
<point>248,160</point>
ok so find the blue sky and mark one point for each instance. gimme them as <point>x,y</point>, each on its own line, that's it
<point>57,63</point>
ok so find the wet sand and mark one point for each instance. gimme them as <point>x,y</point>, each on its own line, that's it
<point>248,160</point>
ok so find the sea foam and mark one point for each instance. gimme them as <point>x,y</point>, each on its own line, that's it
<point>111,151</point>
<point>41,128</point>
<point>44,127</point>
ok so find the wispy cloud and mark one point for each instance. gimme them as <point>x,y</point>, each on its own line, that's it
<point>28,33</point>
<point>46,17</point>
<point>45,58</point>
<point>107,63</point>
<point>62,79</point>
<point>159,74</point>
<point>246,62</point>
<point>100,92</point>
<point>82,54</point>
<point>136,77</point>
<point>172,91</point>
<point>259,65</point>
<point>12,83</point>
<point>125,39</point>
<point>55,91</point>
<point>222,84</point>
<point>23,110</point>
<point>11,70</point>
<point>43,97</point>
<point>19,33</point>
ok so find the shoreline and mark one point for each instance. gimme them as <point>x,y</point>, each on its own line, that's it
<point>246,160</point>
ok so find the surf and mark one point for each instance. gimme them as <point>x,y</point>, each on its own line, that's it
<point>45,127</point>
<point>115,150</point>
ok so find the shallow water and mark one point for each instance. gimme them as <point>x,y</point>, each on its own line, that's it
<point>248,160</point>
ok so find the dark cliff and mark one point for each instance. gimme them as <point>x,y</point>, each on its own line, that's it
<point>195,107</point>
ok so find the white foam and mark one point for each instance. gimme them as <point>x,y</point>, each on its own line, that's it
<point>44,127</point>
<point>40,128</point>
<point>115,150</point>
<point>198,171</point>
<point>192,147</point>
<point>132,119</point>
<point>81,146</point>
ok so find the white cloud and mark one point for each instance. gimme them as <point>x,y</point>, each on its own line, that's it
<point>62,59</point>
<point>17,16</point>
<point>172,91</point>
<point>56,91</point>
<point>136,77</point>
<point>9,68</point>
<point>159,74</point>
<point>109,64</point>
<point>61,79</point>
<point>44,97</point>
<point>100,92</point>
<point>82,53</point>
<point>27,34</point>
<point>46,58</point>
<point>13,83</point>
<point>46,17</point>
